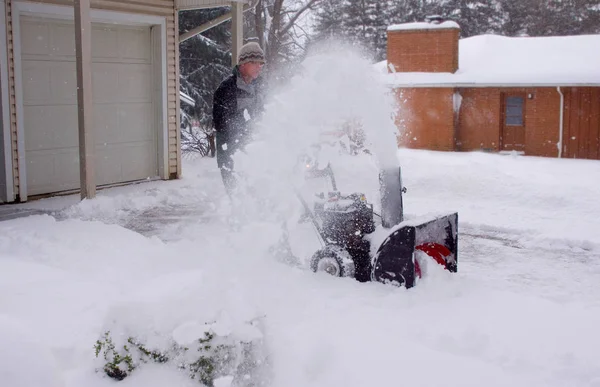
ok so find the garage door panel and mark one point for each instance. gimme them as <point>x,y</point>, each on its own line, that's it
<point>134,121</point>
<point>133,83</point>
<point>139,161</point>
<point>50,127</point>
<point>47,82</point>
<point>52,171</point>
<point>63,40</point>
<point>115,123</point>
<point>36,82</point>
<point>106,123</point>
<point>108,161</point>
<point>124,128</point>
<point>104,41</point>
<point>64,82</point>
<point>125,162</point>
<point>117,82</point>
<point>105,82</point>
<point>35,38</point>
<point>44,38</point>
<point>135,44</point>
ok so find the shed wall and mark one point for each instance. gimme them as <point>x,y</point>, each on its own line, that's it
<point>581,137</point>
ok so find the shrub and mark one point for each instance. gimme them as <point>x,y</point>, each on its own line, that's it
<point>206,359</point>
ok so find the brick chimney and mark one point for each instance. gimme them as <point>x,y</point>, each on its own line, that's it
<point>430,46</point>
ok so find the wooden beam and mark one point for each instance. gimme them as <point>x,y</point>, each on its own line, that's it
<point>83,51</point>
<point>207,26</point>
<point>237,30</point>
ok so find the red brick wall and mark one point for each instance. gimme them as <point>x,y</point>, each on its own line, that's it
<point>433,50</point>
<point>543,121</point>
<point>425,118</point>
<point>480,120</point>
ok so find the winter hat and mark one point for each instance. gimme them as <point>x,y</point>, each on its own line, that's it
<point>251,52</point>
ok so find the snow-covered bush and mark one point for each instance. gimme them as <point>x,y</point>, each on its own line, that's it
<point>209,356</point>
<point>196,140</point>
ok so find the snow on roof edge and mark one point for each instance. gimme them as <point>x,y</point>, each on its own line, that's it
<point>465,85</point>
<point>496,60</point>
<point>423,26</point>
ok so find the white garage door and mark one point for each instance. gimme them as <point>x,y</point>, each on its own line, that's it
<point>125,133</point>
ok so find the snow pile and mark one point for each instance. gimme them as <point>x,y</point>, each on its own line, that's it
<point>24,362</point>
<point>523,309</point>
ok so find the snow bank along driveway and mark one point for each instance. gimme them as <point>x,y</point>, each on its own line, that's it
<point>523,310</point>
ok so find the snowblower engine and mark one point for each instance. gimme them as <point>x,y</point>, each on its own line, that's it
<point>345,220</point>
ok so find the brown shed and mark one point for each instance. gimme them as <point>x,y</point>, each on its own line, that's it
<point>536,96</point>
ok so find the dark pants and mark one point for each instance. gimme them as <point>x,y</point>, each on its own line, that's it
<point>229,180</point>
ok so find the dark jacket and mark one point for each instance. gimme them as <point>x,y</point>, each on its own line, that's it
<point>231,100</point>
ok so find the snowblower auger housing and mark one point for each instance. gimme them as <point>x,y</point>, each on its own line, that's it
<point>345,222</point>
<point>395,260</point>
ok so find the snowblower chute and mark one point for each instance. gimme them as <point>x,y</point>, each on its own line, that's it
<point>344,223</point>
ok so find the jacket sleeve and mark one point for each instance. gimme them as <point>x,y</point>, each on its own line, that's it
<point>220,109</point>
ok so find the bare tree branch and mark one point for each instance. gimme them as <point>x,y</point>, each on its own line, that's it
<point>300,11</point>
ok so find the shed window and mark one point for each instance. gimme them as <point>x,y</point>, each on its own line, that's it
<point>514,111</point>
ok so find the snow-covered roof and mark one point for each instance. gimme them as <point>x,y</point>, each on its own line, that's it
<point>195,4</point>
<point>423,26</point>
<point>493,60</point>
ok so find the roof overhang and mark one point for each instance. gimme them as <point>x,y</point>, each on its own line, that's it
<point>467,85</point>
<point>197,4</point>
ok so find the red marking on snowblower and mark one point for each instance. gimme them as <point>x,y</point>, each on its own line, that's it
<point>436,251</point>
<point>418,272</point>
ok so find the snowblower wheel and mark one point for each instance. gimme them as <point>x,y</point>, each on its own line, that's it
<point>333,260</point>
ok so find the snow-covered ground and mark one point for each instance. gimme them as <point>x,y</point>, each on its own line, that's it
<point>523,309</point>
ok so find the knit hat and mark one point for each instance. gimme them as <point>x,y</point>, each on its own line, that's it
<point>251,52</point>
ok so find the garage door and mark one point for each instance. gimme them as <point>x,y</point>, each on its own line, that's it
<point>125,133</point>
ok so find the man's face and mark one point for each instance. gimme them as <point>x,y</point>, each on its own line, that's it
<point>251,69</point>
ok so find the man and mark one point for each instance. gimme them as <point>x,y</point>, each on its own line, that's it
<point>237,102</point>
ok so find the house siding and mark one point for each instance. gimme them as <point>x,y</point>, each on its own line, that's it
<point>12,95</point>
<point>425,118</point>
<point>165,8</point>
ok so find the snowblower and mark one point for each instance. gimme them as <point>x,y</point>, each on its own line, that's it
<point>345,225</point>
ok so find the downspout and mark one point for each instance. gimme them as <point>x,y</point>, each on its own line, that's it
<point>561,122</point>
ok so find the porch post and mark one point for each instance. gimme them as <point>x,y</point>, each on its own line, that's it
<point>237,30</point>
<point>83,48</point>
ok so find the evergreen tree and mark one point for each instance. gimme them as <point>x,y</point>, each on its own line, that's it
<point>204,60</point>
<point>360,22</point>
<point>329,18</point>
<point>550,17</point>
<point>474,17</point>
